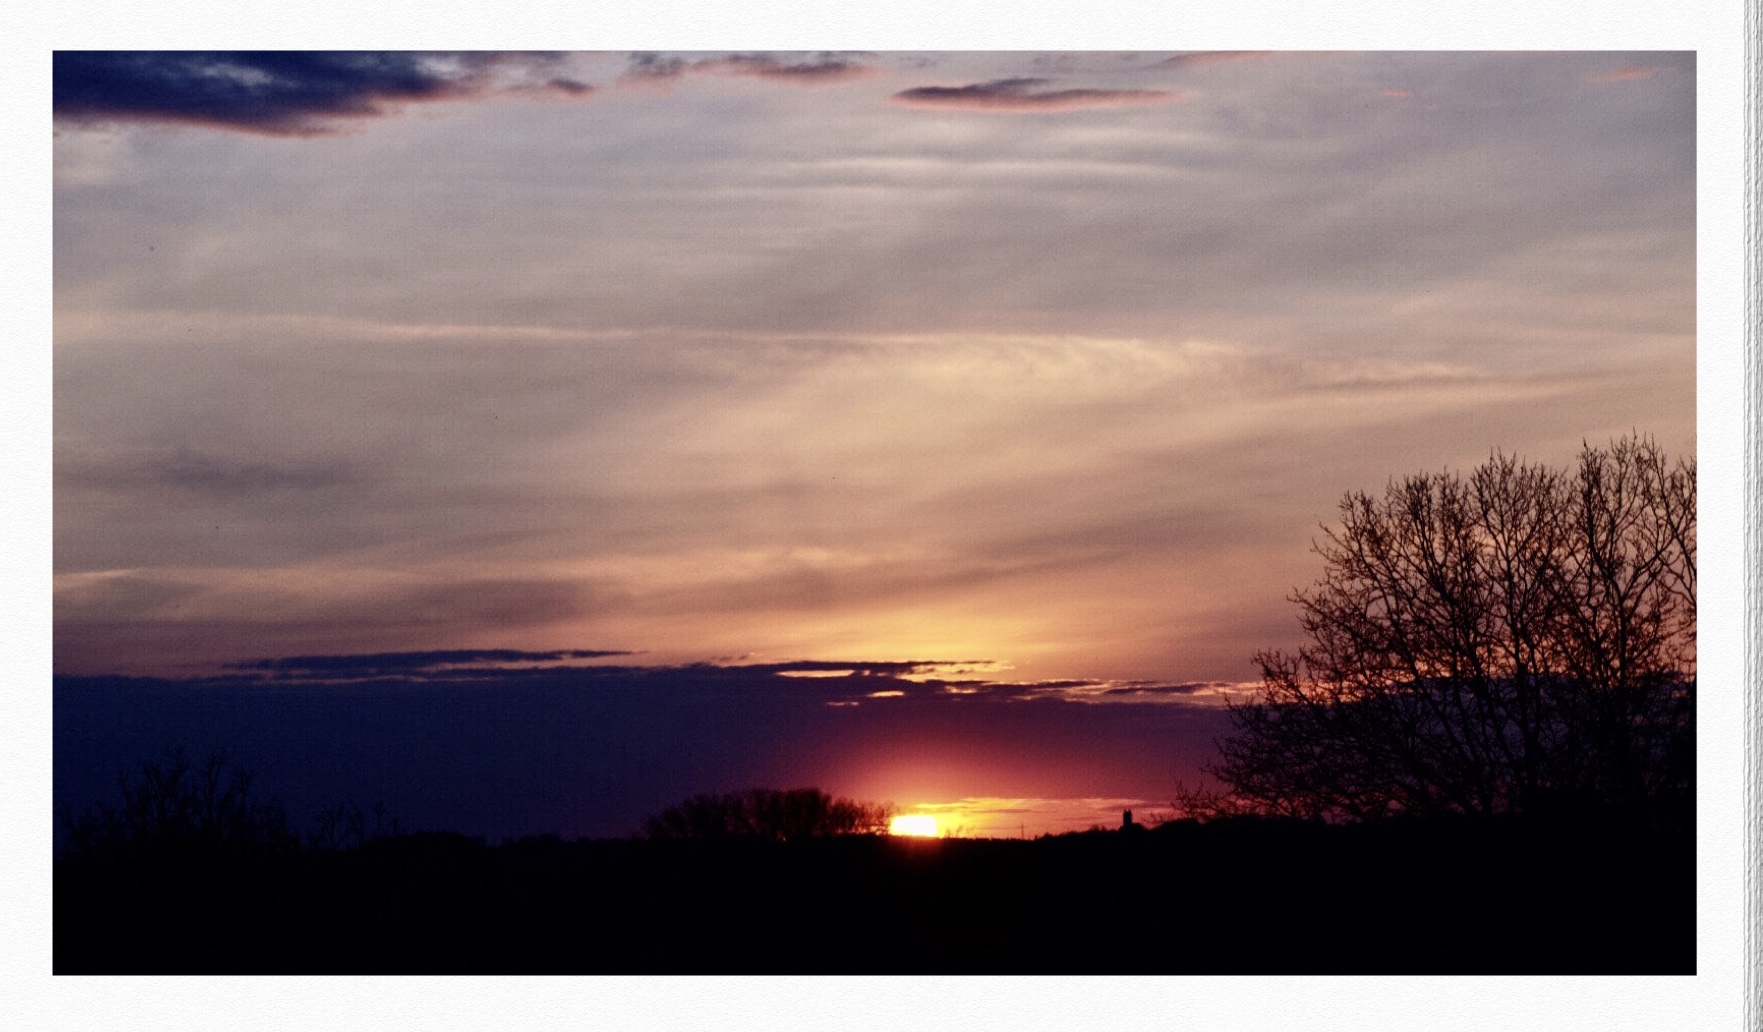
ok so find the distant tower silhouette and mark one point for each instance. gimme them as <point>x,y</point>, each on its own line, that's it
<point>1126,821</point>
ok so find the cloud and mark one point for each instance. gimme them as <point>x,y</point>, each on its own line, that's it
<point>1151,691</point>
<point>836,682</point>
<point>819,378</point>
<point>1025,94</point>
<point>867,668</point>
<point>201,472</point>
<point>819,70</point>
<point>1627,73</point>
<point>1202,58</point>
<point>191,618</point>
<point>428,663</point>
<point>655,66</point>
<point>285,93</point>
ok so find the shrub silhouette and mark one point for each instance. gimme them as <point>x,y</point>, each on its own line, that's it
<point>768,814</point>
<point>1518,640</point>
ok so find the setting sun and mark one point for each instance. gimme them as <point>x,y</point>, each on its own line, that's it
<point>916,824</point>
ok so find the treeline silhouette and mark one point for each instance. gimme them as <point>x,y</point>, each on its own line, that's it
<point>769,813</point>
<point>194,875</point>
<point>1481,762</point>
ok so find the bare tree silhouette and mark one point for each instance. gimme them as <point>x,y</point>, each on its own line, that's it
<point>177,810</point>
<point>1518,639</point>
<point>346,826</point>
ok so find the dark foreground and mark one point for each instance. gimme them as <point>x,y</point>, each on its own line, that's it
<point>1229,897</point>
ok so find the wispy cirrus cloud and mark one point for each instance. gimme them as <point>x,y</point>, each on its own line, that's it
<point>281,93</point>
<point>1201,58</point>
<point>1027,94</point>
<point>796,371</point>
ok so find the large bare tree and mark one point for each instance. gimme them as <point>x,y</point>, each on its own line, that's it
<point>1516,639</point>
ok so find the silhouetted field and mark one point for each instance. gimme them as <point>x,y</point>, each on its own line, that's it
<point>1231,896</point>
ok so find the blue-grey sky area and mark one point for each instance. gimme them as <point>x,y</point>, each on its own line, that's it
<point>1049,364</point>
<point>504,744</point>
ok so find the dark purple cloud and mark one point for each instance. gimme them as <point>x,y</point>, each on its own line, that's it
<point>1155,690</point>
<point>131,623</point>
<point>205,472</point>
<point>834,681</point>
<point>424,664</point>
<point>1026,95</point>
<point>818,70</point>
<point>284,93</point>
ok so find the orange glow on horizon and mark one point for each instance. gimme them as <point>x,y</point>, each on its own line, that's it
<point>1027,817</point>
<point>914,825</point>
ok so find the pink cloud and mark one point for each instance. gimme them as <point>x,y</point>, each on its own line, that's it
<point>1627,73</point>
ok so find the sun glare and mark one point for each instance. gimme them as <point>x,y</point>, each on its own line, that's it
<point>915,824</point>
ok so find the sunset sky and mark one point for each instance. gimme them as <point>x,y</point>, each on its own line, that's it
<point>1003,393</point>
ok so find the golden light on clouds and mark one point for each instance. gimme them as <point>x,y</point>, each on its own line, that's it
<point>986,396</point>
